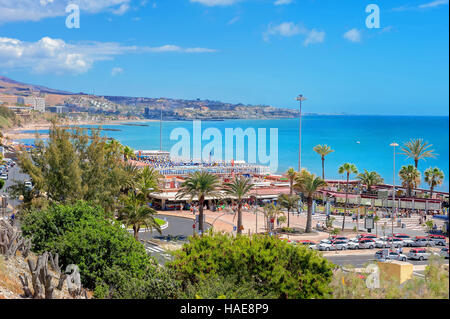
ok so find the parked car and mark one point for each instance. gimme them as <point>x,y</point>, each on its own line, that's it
<point>423,242</point>
<point>340,238</point>
<point>333,245</point>
<point>419,253</point>
<point>371,236</point>
<point>366,243</point>
<point>4,176</point>
<point>382,243</point>
<point>308,243</point>
<point>353,244</point>
<point>444,252</point>
<point>28,185</point>
<point>395,242</point>
<point>439,240</point>
<point>385,254</point>
<point>407,240</point>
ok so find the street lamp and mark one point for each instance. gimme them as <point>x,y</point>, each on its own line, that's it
<point>394,145</point>
<point>300,99</point>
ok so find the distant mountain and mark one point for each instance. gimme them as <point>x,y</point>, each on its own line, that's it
<point>9,86</point>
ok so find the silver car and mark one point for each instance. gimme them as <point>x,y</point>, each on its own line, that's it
<point>419,253</point>
<point>366,243</point>
<point>335,245</point>
<point>423,242</point>
<point>353,244</point>
<point>439,240</point>
<point>384,255</point>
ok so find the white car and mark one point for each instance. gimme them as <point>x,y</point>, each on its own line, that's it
<point>367,243</point>
<point>28,185</point>
<point>423,242</point>
<point>419,253</point>
<point>353,244</point>
<point>385,254</point>
<point>4,176</point>
<point>335,245</point>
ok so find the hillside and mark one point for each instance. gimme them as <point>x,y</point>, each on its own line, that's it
<point>9,86</point>
<point>147,107</point>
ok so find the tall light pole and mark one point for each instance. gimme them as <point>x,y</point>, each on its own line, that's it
<point>300,99</point>
<point>160,130</point>
<point>394,145</point>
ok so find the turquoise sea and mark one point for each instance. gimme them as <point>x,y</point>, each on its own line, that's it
<point>374,134</point>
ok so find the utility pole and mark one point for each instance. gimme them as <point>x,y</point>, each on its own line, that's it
<point>300,99</point>
<point>394,145</point>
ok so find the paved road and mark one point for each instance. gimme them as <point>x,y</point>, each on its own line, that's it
<point>359,261</point>
<point>177,233</point>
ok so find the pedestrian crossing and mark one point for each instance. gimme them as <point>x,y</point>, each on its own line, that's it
<point>410,223</point>
<point>154,249</point>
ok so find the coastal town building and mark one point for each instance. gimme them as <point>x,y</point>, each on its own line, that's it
<point>37,103</point>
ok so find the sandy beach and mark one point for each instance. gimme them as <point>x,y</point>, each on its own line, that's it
<point>17,133</point>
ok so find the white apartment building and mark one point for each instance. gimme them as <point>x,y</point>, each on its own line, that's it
<point>37,103</point>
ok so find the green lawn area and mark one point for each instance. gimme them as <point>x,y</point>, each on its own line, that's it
<point>158,220</point>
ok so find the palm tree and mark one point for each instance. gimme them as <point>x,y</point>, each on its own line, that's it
<point>129,178</point>
<point>417,149</point>
<point>240,189</point>
<point>114,147</point>
<point>410,177</point>
<point>271,211</point>
<point>136,214</point>
<point>434,177</point>
<point>291,174</point>
<point>128,153</point>
<point>370,179</point>
<point>323,150</point>
<point>308,184</point>
<point>200,185</point>
<point>148,182</point>
<point>289,202</point>
<point>348,169</point>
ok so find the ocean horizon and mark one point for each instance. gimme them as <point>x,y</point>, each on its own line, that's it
<point>359,139</point>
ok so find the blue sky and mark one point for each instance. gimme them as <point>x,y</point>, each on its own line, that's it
<point>249,51</point>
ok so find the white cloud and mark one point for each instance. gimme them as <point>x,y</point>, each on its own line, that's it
<point>285,29</point>
<point>214,3</point>
<point>34,10</point>
<point>56,56</point>
<point>314,36</point>
<point>115,71</point>
<point>433,4</point>
<point>122,9</point>
<point>283,2</point>
<point>290,29</point>
<point>234,20</point>
<point>421,7</point>
<point>353,35</point>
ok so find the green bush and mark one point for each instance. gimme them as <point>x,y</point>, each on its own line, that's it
<point>110,260</point>
<point>272,266</point>
<point>215,287</point>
